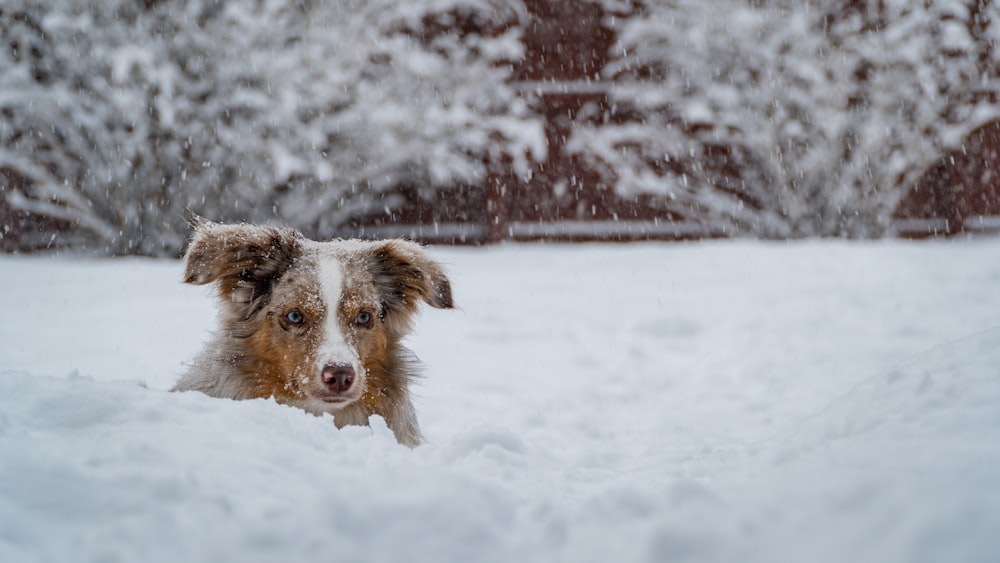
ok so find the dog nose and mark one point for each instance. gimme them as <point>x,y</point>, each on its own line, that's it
<point>338,377</point>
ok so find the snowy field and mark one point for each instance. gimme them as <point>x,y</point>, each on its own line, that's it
<point>723,401</point>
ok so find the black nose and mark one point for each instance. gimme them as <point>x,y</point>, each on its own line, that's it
<point>338,377</point>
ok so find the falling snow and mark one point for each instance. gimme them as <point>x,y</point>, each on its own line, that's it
<point>788,118</point>
<point>123,118</point>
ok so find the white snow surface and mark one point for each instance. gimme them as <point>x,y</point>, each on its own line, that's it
<point>721,401</point>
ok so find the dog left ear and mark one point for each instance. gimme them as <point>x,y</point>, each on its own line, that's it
<point>405,274</point>
<point>245,261</point>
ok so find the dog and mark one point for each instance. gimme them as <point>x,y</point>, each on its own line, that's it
<point>315,325</point>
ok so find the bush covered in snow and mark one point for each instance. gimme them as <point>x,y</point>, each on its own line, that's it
<point>785,118</point>
<point>775,118</point>
<point>123,117</point>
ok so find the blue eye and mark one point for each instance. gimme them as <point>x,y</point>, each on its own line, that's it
<point>295,317</point>
<point>364,317</point>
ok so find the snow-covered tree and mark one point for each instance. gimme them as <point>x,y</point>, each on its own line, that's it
<point>125,117</point>
<point>785,118</point>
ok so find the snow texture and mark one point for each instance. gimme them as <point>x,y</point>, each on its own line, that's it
<point>723,401</point>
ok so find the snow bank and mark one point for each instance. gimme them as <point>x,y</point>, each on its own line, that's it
<point>708,402</point>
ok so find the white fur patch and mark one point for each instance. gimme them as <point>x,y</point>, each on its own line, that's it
<point>334,348</point>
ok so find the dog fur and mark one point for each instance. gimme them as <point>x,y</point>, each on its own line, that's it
<point>316,325</point>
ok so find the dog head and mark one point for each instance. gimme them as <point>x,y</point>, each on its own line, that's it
<point>314,320</point>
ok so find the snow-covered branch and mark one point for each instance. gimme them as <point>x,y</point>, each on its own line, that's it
<point>125,117</point>
<point>823,114</point>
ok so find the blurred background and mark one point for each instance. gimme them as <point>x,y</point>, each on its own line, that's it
<point>478,121</point>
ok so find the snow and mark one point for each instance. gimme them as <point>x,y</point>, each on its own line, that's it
<point>244,112</point>
<point>718,401</point>
<point>824,113</point>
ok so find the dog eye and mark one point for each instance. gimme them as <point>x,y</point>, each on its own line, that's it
<point>364,318</point>
<point>295,317</point>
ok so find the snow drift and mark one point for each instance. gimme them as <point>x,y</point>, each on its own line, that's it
<point>710,402</point>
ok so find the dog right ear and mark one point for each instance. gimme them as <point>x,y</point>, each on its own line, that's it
<point>244,259</point>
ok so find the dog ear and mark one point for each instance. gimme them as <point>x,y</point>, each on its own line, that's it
<point>245,260</point>
<point>405,275</point>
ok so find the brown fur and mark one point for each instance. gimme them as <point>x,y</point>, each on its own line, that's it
<point>263,273</point>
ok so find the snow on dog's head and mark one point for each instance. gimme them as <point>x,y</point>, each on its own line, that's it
<point>316,324</point>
